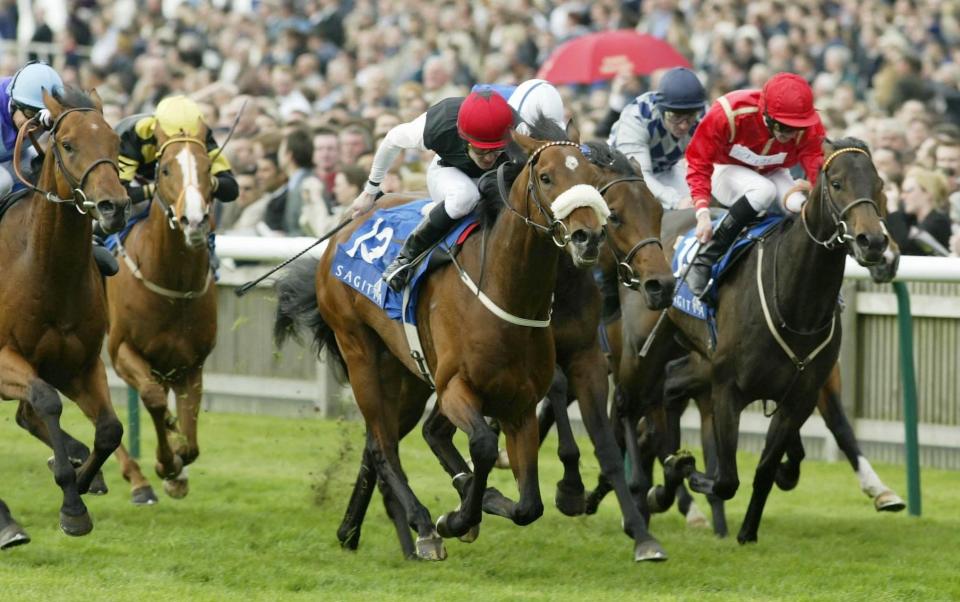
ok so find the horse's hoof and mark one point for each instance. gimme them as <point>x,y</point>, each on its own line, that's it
<point>696,519</point>
<point>570,500</point>
<point>172,473</point>
<point>679,466</point>
<point>649,550</point>
<point>98,486</point>
<point>503,460</point>
<point>75,526</point>
<point>471,535</point>
<point>786,477</point>
<point>13,535</point>
<point>143,496</point>
<point>888,501</point>
<point>176,488</point>
<point>592,503</point>
<point>497,504</point>
<point>701,483</point>
<point>431,548</point>
<point>652,502</point>
<point>745,537</point>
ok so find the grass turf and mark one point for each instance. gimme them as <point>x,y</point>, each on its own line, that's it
<point>267,495</point>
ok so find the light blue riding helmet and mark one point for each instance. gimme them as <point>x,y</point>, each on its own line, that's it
<point>27,86</point>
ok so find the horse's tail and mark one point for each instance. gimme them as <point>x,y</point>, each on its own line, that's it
<point>297,312</point>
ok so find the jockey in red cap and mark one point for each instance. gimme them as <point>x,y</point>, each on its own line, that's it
<point>741,154</point>
<point>469,136</point>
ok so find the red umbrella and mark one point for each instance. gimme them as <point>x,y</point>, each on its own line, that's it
<point>601,55</point>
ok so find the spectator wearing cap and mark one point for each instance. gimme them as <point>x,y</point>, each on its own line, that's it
<point>468,136</point>
<point>741,154</point>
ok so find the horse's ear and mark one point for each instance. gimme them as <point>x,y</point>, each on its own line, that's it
<point>636,166</point>
<point>573,132</point>
<point>526,143</point>
<point>52,104</point>
<point>827,147</point>
<point>97,101</point>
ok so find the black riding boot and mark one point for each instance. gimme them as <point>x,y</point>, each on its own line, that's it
<point>427,233</point>
<point>106,262</point>
<point>740,214</point>
<point>610,293</point>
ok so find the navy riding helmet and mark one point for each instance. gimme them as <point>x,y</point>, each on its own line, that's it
<point>681,90</point>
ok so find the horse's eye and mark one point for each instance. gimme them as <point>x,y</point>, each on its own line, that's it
<point>614,219</point>
<point>67,146</point>
<point>164,171</point>
<point>837,185</point>
<point>545,178</point>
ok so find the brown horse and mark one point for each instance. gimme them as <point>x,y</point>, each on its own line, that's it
<point>163,309</point>
<point>489,355</point>
<point>53,315</point>
<point>754,356</point>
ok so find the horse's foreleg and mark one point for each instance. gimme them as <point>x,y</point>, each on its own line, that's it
<point>709,441</point>
<point>186,449</point>
<point>135,371</point>
<point>18,380</point>
<point>90,392</point>
<point>835,418</point>
<point>570,491</point>
<point>784,428</point>
<point>589,382</point>
<point>726,422</point>
<point>461,405</point>
<point>522,447</point>
<point>438,432</point>
<point>788,472</point>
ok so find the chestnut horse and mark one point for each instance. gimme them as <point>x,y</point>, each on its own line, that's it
<point>53,315</point>
<point>163,309</point>
<point>489,355</point>
<point>755,355</point>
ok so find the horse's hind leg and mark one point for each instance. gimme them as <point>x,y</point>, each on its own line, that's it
<point>76,450</point>
<point>570,498</point>
<point>349,532</point>
<point>89,391</point>
<point>18,380</point>
<point>588,379</point>
<point>835,418</point>
<point>788,473</point>
<point>396,514</point>
<point>11,533</point>
<point>709,442</point>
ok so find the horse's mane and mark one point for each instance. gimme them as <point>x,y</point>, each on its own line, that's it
<point>606,157</point>
<point>72,98</point>
<point>543,128</point>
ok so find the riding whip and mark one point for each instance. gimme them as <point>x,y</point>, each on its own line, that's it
<point>663,314</point>
<point>241,291</point>
<point>233,128</point>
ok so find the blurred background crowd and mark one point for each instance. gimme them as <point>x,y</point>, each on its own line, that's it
<point>320,82</point>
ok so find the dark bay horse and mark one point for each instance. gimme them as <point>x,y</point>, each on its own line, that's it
<point>633,227</point>
<point>778,331</point>
<point>484,361</point>
<point>53,315</point>
<point>163,309</point>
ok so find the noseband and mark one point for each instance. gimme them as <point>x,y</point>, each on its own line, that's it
<point>840,236</point>
<point>78,198</point>
<point>625,272</point>
<point>555,228</point>
<point>168,208</point>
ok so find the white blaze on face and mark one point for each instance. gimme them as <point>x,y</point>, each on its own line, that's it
<point>571,163</point>
<point>191,187</point>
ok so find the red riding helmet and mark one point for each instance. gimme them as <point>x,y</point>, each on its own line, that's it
<point>484,120</point>
<point>788,99</point>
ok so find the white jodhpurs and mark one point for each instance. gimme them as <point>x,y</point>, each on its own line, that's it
<point>6,179</point>
<point>457,190</point>
<point>675,180</point>
<point>764,192</point>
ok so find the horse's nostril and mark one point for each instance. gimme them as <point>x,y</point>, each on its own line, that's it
<point>579,237</point>
<point>652,286</point>
<point>863,241</point>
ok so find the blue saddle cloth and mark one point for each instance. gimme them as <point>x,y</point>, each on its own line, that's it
<point>705,308</point>
<point>361,261</point>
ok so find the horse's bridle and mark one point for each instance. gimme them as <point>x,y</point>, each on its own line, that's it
<point>841,235</point>
<point>79,198</point>
<point>555,228</point>
<point>625,272</point>
<point>168,208</point>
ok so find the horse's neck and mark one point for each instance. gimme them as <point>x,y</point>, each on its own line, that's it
<point>808,275</point>
<point>522,268</point>
<point>171,262</point>
<point>60,236</point>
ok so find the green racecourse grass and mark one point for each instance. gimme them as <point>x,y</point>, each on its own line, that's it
<point>267,495</point>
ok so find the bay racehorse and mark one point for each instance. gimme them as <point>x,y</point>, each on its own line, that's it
<point>633,226</point>
<point>777,322</point>
<point>489,355</point>
<point>163,309</point>
<point>52,309</point>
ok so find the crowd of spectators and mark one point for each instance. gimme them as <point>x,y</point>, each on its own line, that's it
<point>318,83</point>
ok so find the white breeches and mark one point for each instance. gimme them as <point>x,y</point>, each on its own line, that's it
<point>6,179</point>
<point>675,178</point>
<point>764,192</point>
<point>456,189</point>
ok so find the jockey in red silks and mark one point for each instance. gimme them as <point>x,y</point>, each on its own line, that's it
<point>741,154</point>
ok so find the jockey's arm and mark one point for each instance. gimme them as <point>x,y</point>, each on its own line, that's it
<point>633,140</point>
<point>708,146</point>
<point>401,137</point>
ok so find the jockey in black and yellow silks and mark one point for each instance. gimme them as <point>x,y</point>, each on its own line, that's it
<point>175,115</point>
